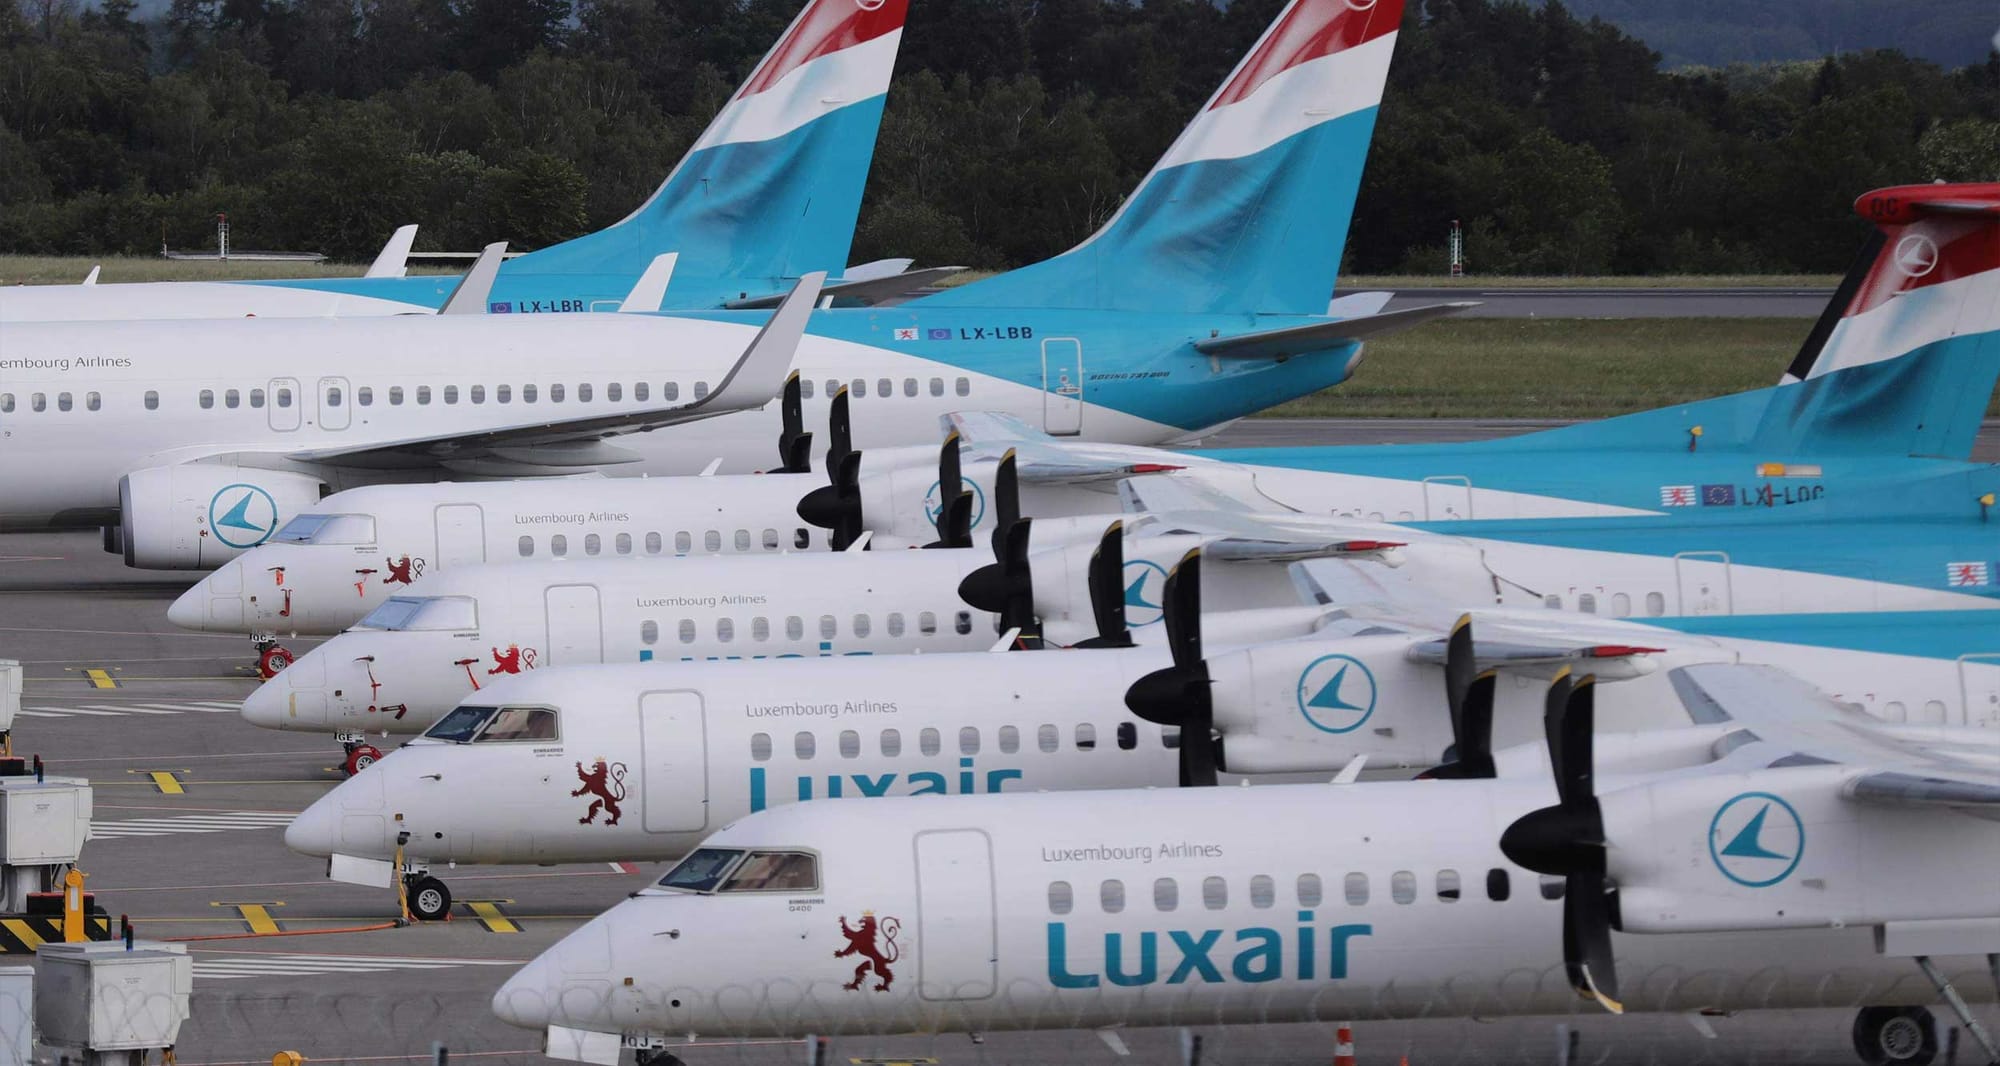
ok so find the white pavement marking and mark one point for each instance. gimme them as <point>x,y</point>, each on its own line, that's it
<point>253,964</point>
<point>113,710</point>
<point>217,822</point>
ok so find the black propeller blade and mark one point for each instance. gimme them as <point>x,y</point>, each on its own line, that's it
<point>1567,840</point>
<point>1469,694</point>
<point>839,429</point>
<point>1007,587</point>
<point>837,506</point>
<point>1107,591</point>
<point>1178,695</point>
<point>794,443</point>
<point>1006,501</point>
<point>954,515</point>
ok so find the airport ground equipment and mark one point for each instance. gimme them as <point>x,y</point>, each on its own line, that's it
<point>17,1015</point>
<point>10,703</point>
<point>112,1004</point>
<point>44,822</point>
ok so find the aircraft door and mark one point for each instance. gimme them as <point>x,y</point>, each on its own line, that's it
<point>1704,583</point>
<point>673,747</point>
<point>1447,497</point>
<point>956,939</point>
<point>1062,386</point>
<point>1979,687</point>
<point>285,402</point>
<point>576,630</point>
<point>335,404</point>
<point>461,535</point>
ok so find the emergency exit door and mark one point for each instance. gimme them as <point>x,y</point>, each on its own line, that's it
<point>461,535</point>
<point>956,939</point>
<point>1447,498</point>
<point>1062,386</point>
<point>673,747</point>
<point>1704,583</point>
<point>334,404</point>
<point>576,629</point>
<point>284,400</point>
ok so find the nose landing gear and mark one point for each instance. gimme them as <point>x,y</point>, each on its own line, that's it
<point>1895,1036</point>
<point>272,657</point>
<point>360,754</point>
<point>430,900</point>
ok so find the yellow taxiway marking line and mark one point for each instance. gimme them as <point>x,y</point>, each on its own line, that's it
<point>488,913</point>
<point>100,678</point>
<point>164,780</point>
<point>255,915</point>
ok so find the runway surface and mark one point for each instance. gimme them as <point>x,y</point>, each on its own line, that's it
<point>197,854</point>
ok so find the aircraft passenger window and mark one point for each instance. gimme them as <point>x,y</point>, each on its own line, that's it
<point>861,625</point>
<point>206,399</point>
<point>964,386</point>
<point>1048,738</point>
<point>555,393</point>
<point>1356,888</point>
<point>38,401</point>
<point>423,396</point>
<point>1587,603</point>
<point>760,628</point>
<point>641,391</point>
<point>1166,894</point>
<point>774,871</point>
<point>760,747</point>
<point>1553,602</point>
<point>1498,885</point>
<point>827,626</point>
<point>62,401</point>
<point>850,744</point>
<point>964,623</point>
<point>937,386</point>
<point>1656,605</point>
<point>6,403</point>
<point>795,628</point>
<point>858,389</point>
<point>927,741</point>
<point>1061,898</point>
<point>395,397</point>
<point>802,745</point>
<point>1214,893</point>
<point>460,725</point>
<point>892,743</point>
<point>520,723</point>
<point>528,394</point>
<point>687,631</point>
<point>614,392</point>
<point>592,544</point>
<point>909,386</point>
<point>503,394</point>
<point>583,393</point>
<point>1010,740</point>
<point>152,400</point>
<point>895,623</point>
<point>885,388</point>
<point>1403,886</point>
<point>622,544</point>
<point>333,396</point>
<point>1111,896</point>
<point>1621,605</point>
<point>683,543</point>
<point>92,401</point>
<point>926,622</point>
<point>1895,711</point>
<point>725,629</point>
<point>477,394</point>
<point>1448,886</point>
<point>700,389</point>
<point>654,544</point>
<point>1552,887</point>
<point>1086,737</point>
<point>1263,892</point>
<point>805,389</point>
<point>743,540</point>
<point>968,740</point>
<point>670,390</point>
<point>801,538</point>
<point>232,399</point>
<point>1309,890</point>
<point>558,544</point>
<point>1128,736</point>
<point>365,396</point>
<point>771,541</point>
<point>701,870</point>
<point>649,632</point>
<point>711,541</point>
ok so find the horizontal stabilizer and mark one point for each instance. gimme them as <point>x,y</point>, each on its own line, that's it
<point>393,261</point>
<point>1324,336</point>
<point>866,290</point>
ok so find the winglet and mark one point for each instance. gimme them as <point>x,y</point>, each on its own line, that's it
<point>762,370</point>
<point>651,287</point>
<point>393,261</point>
<point>1351,773</point>
<point>91,278</point>
<point>473,289</point>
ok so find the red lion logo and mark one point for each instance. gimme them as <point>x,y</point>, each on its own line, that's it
<point>876,953</point>
<point>512,661</point>
<point>404,572</point>
<point>606,784</point>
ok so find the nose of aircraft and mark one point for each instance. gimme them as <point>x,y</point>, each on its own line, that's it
<point>524,999</point>
<point>266,707</point>
<point>567,985</point>
<point>215,602</point>
<point>317,828</point>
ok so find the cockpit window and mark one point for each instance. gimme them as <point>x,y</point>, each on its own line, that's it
<point>521,723</point>
<point>774,871</point>
<point>328,529</point>
<point>461,725</point>
<point>702,870</point>
<point>423,612</point>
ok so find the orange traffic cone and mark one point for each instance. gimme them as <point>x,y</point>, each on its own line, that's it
<point>1343,1045</point>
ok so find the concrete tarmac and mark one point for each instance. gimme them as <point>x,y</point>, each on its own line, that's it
<point>191,802</point>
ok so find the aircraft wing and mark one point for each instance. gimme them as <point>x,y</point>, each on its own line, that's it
<point>751,383</point>
<point>868,288</point>
<point>1041,458</point>
<point>1324,336</point>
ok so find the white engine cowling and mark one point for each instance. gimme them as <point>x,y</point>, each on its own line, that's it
<point>197,516</point>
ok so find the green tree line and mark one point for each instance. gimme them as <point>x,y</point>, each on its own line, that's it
<point>1013,129</point>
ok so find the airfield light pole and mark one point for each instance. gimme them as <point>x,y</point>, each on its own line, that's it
<point>222,236</point>
<point>1457,247</point>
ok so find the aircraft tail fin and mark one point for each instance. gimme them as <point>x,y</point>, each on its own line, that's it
<point>1906,356</point>
<point>771,190</point>
<point>1249,209</point>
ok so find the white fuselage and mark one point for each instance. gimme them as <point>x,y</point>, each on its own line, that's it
<point>1286,903</point>
<point>689,747</point>
<point>163,300</point>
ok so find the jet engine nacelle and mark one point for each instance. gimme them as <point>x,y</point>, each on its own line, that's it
<point>1313,705</point>
<point>197,516</point>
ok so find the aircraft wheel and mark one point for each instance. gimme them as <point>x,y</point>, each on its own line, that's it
<point>1895,1036</point>
<point>272,662</point>
<point>361,757</point>
<point>430,900</point>
<point>656,1057</point>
